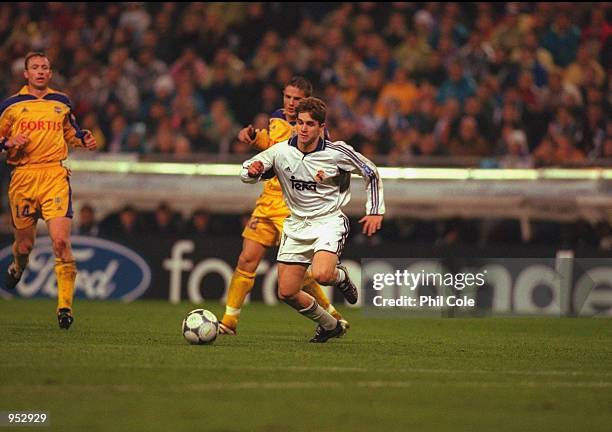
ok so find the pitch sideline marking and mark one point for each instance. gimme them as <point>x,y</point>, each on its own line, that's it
<point>340,369</point>
<point>287,385</point>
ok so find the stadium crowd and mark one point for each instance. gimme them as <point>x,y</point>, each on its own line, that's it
<point>490,84</point>
<point>519,84</point>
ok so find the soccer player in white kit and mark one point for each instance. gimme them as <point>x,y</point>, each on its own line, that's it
<point>315,177</point>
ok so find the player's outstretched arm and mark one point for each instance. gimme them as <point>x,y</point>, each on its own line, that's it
<point>247,135</point>
<point>252,171</point>
<point>256,169</point>
<point>258,138</point>
<point>259,167</point>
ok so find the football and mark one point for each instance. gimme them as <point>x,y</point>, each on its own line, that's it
<point>200,327</point>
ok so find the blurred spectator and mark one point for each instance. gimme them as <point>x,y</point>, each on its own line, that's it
<point>503,68</point>
<point>165,221</point>
<point>606,148</point>
<point>199,224</point>
<point>508,34</point>
<point>559,93</point>
<point>246,100</point>
<point>119,132</point>
<point>187,103</point>
<point>565,124</point>
<point>544,153</point>
<point>135,19</point>
<point>396,29</point>
<point>428,146</point>
<point>86,222</point>
<point>219,127</point>
<point>182,147</point>
<point>516,154</point>
<point>585,70</point>
<point>531,66</point>
<point>562,39</point>
<point>118,88</point>
<point>377,65</point>
<point>189,67</point>
<point>598,28</point>
<point>123,224</point>
<point>530,49</point>
<point>469,141</point>
<point>400,89</point>
<point>473,108</point>
<point>566,152</point>
<point>448,121</point>
<point>476,55</point>
<point>367,122</point>
<point>457,85</point>
<point>164,139</point>
<point>413,53</point>
<point>149,70</point>
<point>593,130</point>
<point>194,132</point>
<point>434,71</point>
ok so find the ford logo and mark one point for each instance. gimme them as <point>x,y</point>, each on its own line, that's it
<point>106,270</point>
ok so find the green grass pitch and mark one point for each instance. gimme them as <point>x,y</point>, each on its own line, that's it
<point>126,367</point>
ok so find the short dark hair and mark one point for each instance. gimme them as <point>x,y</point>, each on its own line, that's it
<point>315,107</point>
<point>301,83</point>
<point>33,54</point>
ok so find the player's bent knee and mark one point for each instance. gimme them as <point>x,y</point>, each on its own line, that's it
<point>24,247</point>
<point>286,296</point>
<point>60,246</point>
<point>247,263</point>
<point>324,277</point>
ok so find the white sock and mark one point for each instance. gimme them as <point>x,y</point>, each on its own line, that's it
<point>232,311</point>
<point>341,276</point>
<point>316,313</point>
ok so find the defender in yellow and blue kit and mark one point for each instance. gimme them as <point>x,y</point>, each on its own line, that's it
<point>36,127</point>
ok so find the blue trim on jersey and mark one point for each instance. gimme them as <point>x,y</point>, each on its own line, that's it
<point>293,141</point>
<point>364,169</point>
<point>80,134</point>
<point>69,212</point>
<point>58,97</point>
<point>279,113</point>
<point>15,99</point>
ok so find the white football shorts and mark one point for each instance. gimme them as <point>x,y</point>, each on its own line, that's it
<point>303,237</point>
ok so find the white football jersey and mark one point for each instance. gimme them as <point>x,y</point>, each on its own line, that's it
<point>317,183</point>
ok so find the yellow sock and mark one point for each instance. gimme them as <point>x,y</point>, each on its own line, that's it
<point>65,272</point>
<point>334,312</point>
<point>240,286</point>
<point>314,289</point>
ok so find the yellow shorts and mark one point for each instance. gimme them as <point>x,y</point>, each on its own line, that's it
<point>266,223</point>
<point>39,191</point>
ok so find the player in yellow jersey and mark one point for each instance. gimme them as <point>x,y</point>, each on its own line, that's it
<point>265,226</point>
<point>36,127</point>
